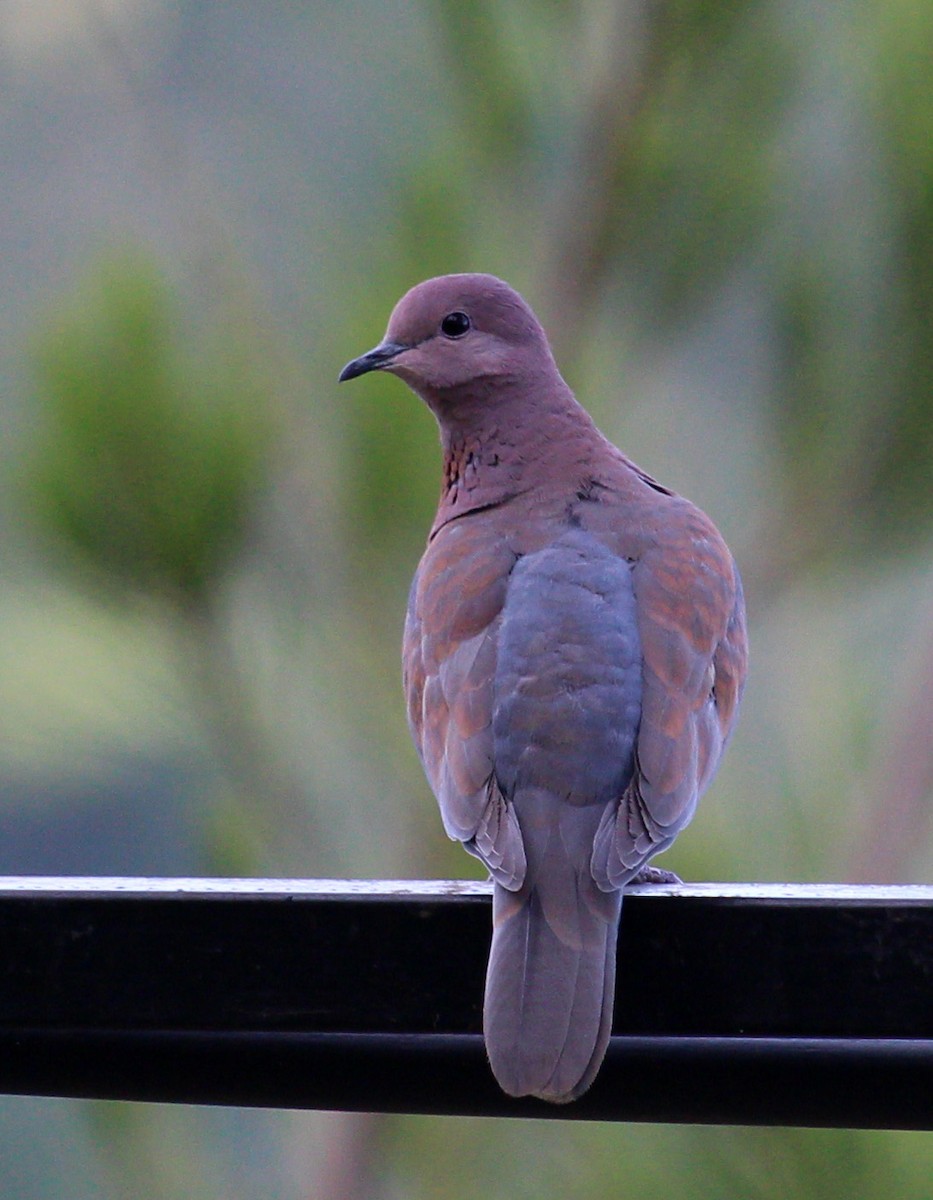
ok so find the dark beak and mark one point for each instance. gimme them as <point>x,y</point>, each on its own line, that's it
<point>377,358</point>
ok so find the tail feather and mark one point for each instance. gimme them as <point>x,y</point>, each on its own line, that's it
<point>549,990</point>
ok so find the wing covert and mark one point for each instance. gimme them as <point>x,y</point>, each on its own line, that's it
<point>449,655</point>
<point>692,626</point>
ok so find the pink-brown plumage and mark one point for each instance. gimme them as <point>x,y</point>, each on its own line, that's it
<point>574,654</point>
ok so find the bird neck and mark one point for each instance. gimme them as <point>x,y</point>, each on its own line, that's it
<point>500,442</point>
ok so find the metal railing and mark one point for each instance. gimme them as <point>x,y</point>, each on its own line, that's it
<point>736,1003</point>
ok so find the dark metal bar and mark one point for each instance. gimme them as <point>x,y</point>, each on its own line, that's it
<point>839,1082</point>
<point>750,1004</point>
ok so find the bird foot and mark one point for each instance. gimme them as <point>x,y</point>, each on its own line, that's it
<point>649,874</point>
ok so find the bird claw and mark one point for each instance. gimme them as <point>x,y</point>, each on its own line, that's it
<point>650,874</point>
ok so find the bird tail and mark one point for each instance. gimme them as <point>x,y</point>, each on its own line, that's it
<point>550,986</point>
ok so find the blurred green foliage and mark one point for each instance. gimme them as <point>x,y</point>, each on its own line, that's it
<point>151,457</point>
<point>724,215</point>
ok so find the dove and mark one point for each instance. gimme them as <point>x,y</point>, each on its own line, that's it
<point>574,656</point>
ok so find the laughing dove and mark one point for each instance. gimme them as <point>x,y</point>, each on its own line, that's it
<point>574,655</point>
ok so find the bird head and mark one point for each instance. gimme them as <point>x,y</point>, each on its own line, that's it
<point>448,334</point>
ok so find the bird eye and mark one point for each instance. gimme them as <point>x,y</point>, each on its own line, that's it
<point>455,324</point>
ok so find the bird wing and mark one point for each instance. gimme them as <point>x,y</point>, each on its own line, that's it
<point>449,664</point>
<point>691,623</point>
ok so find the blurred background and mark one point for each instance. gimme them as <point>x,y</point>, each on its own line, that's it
<point>721,212</point>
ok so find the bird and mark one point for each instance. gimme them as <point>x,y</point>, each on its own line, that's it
<point>574,655</point>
